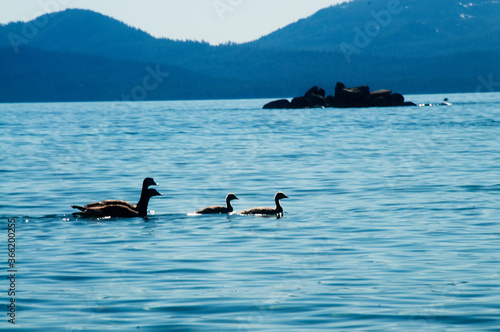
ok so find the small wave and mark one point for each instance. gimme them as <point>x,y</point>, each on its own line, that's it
<point>479,188</point>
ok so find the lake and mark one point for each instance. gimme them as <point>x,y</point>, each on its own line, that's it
<point>392,221</point>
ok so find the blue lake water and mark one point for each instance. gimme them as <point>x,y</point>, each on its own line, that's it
<point>392,222</point>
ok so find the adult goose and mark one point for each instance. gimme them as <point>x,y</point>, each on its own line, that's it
<point>278,210</point>
<point>119,210</point>
<point>145,185</point>
<point>219,209</point>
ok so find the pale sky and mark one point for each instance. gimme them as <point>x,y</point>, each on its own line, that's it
<point>215,21</point>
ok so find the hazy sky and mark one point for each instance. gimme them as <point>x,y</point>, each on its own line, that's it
<point>215,21</point>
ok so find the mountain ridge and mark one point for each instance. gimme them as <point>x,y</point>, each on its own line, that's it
<point>410,27</point>
<point>236,70</point>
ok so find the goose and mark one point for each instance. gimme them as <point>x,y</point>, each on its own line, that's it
<point>219,209</point>
<point>119,210</point>
<point>278,210</point>
<point>145,185</point>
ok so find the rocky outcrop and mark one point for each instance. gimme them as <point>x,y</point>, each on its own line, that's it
<point>343,98</point>
<point>281,103</point>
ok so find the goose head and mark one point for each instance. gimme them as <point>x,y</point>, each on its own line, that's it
<point>149,182</point>
<point>279,196</point>
<point>153,192</point>
<point>231,197</point>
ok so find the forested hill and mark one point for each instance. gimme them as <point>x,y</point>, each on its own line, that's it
<point>34,75</point>
<point>88,32</point>
<point>387,27</point>
<point>82,55</point>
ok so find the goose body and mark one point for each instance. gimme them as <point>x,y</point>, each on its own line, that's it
<point>118,210</point>
<point>112,211</point>
<point>145,185</point>
<point>219,209</point>
<point>278,210</point>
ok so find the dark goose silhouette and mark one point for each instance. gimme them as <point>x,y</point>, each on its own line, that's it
<point>219,209</point>
<point>278,210</point>
<point>118,210</point>
<point>145,185</point>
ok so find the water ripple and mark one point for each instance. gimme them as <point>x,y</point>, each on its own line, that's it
<point>391,225</point>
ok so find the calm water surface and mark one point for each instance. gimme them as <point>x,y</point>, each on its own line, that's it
<point>392,222</point>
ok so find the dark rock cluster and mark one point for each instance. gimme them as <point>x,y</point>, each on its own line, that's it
<point>343,98</point>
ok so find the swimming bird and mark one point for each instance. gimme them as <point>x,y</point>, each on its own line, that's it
<point>145,185</point>
<point>119,210</point>
<point>219,209</point>
<point>278,210</point>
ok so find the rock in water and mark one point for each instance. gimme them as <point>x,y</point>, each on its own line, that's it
<point>344,98</point>
<point>278,104</point>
